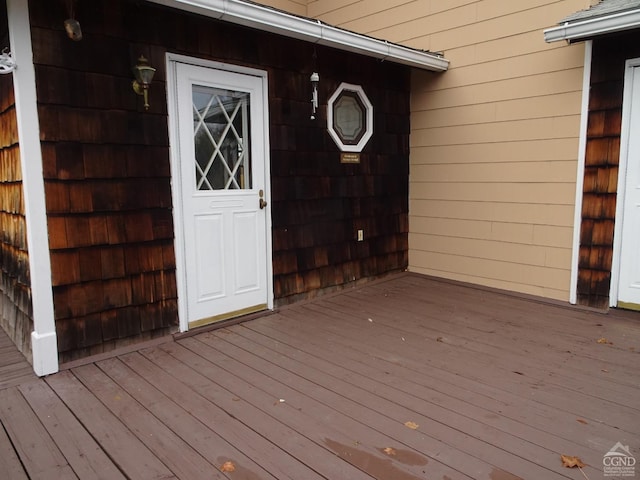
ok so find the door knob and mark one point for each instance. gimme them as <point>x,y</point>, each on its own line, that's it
<point>262,203</point>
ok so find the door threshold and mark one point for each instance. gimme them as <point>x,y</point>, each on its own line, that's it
<point>225,320</point>
<point>629,306</point>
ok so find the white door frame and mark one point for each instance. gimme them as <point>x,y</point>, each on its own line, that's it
<point>176,185</point>
<point>622,177</point>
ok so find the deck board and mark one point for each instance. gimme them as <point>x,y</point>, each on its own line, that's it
<point>38,452</point>
<point>497,386</point>
<point>129,453</point>
<point>14,367</point>
<point>83,453</point>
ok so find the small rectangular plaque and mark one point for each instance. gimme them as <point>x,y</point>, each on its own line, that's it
<point>349,158</point>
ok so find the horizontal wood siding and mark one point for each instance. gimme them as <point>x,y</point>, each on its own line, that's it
<point>601,166</point>
<point>16,316</point>
<point>108,180</point>
<point>494,140</point>
<point>297,7</point>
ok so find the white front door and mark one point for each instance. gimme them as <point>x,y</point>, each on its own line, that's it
<point>629,278</point>
<point>221,137</point>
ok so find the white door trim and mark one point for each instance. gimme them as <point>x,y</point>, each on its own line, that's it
<point>622,177</point>
<point>43,338</point>
<point>176,185</point>
<point>582,149</point>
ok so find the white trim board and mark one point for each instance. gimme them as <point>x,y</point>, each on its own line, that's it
<point>43,337</point>
<point>302,28</point>
<point>577,220</point>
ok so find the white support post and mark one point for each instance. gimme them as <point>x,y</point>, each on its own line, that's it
<point>43,338</point>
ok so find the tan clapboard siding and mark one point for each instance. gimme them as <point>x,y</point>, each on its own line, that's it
<point>297,7</point>
<point>545,84</point>
<point>542,128</point>
<point>514,172</point>
<point>517,213</point>
<point>503,192</point>
<point>512,277</point>
<point>508,110</point>
<point>496,250</point>
<point>522,151</point>
<point>548,236</point>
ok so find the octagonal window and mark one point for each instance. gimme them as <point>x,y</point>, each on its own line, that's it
<point>350,118</point>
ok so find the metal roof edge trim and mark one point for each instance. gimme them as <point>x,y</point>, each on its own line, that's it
<point>580,30</point>
<point>303,28</point>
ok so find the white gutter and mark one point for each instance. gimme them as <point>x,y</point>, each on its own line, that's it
<point>584,29</point>
<point>43,338</point>
<point>302,28</point>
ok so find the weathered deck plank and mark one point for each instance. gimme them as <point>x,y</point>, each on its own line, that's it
<point>10,463</point>
<point>326,426</point>
<point>14,367</point>
<point>83,453</point>
<point>335,396</point>
<point>498,387</point>
<point>38,452</point>
<point>453,436</point>
<point>129,453</point>
<point>243,441</point>
<point>194,371</point>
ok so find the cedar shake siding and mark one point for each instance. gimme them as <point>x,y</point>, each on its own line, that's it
<point>108,179</point>
<point>601,165</point>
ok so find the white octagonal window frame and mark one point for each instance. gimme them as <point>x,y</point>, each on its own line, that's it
<point>366,117</point>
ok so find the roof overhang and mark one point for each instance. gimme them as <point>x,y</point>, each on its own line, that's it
<point>592,27</point>
<point>277,21</point>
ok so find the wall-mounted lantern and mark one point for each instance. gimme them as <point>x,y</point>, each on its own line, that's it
<point>73,29</point>
<point>143,73</point>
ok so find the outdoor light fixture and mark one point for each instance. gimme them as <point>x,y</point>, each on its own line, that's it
<point>73,29</point>
<point>7,64</point>
<point>143,73</point>
<point>315,79</point>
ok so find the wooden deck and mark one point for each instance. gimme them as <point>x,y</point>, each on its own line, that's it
<point>407,378</point>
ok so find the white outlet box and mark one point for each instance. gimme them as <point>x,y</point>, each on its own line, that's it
<point>360,235</point>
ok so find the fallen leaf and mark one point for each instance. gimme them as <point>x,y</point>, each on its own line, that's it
<point>604,370</point>
<point>604,341</point>
<point>571,462</point>
<point>440,339</point>
<point>228,467</point>
<point>411,425</point>
<point>584,422</point>
<point>389,451</point>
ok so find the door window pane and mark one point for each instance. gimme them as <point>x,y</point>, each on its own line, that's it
<point>221,139</point>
